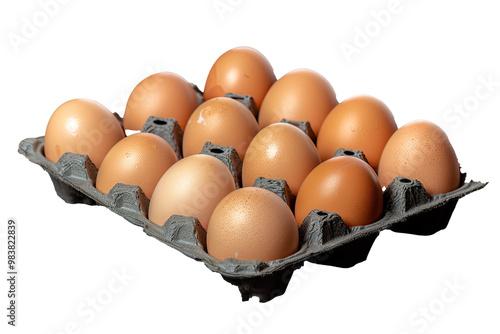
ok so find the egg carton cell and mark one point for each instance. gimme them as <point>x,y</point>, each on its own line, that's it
<point>247,101</point>
<point>323,237</point>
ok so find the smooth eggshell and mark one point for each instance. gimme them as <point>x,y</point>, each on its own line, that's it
<point>252,224</point>
<point>140,159</point>
<point>165,95</point>
<point>82,126</point>
<point>192,187</point>
<point>223,121</point>
<point>241,70</point>
<point>361,123</point>
<point>280,151</point>
<point>421,150</point>
<point>345,185</point>
<point>300,95</point>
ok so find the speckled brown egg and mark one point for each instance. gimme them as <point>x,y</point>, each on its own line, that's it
<point>345,185</point>
<point>361,123</point>
<point>165,95</point>
<point>192,187</point>
<point>300,95</point>
<point>140,159</point>
<point>252,224</point>
<point>222,121</point>
<point>82,126</point>
<point>241,70</point>
<point>280,151</point>
<point>421,150</point>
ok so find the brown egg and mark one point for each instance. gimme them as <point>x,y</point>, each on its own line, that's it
<point>300,95</point>
<point>345,185</point>
<point>421,150</point>
<point>165,95</point>
<point>140,159</point>
<point>280,151</point>
<point>241,70</point>
<point>252,224</point>
<point>84,127</point>
<point>192,187</point>
<point>361,123</point>
<point>223,121</point>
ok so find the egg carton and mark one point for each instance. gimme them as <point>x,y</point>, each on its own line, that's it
<point>323,236</point>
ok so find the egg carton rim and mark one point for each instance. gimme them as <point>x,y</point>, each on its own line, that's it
<point>32,148</point>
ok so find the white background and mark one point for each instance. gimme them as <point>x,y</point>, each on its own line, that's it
<point>430,56</point>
